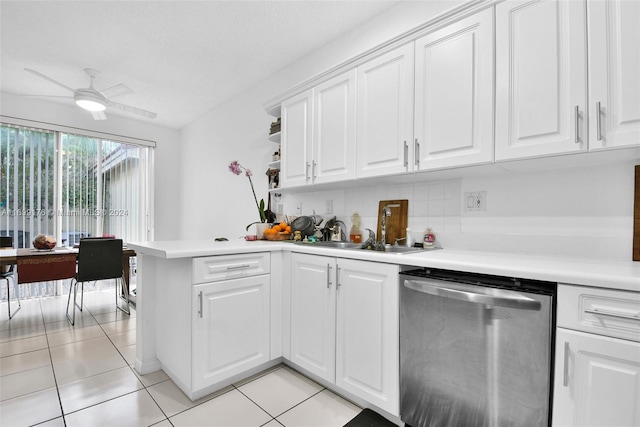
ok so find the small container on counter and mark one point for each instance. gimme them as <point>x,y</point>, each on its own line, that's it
<point>429,240</point>
<point>355,235</point>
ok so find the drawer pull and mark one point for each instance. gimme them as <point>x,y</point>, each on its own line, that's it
<point>200,304</point>
<point>238,267</point>
<point>328,276</point>
<point>565,376</point>
<point>616,315</point>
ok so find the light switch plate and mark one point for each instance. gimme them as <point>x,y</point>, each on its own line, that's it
<point>475,201</point>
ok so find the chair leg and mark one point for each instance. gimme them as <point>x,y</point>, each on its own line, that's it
<point>74,285</point>
<point>125,291</point>
<point>9,298</point>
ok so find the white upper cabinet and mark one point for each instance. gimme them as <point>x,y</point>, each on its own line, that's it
<point>385,114</point>
<point>541,83</point>
<point>454,94</point>
<point>614,73</point>
<point>319,133</point>
<point>334,142</point>
<point>296,140</point>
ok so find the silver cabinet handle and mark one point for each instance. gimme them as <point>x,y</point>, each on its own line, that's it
<point>565,375</point>
<point>577,114</point>
<point>338,278</point>
<point>200,304</point>
<point>416,152</point>
<point>238,267</point>
<point>598,122</point>
<point>328,276</point>
<point>313,170</point>
<point>616,315</point>
<point>306,172</point>
<point>486,296</point>
<point>406,155</point>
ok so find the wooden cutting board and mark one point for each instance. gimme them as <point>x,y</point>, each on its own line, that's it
<point>636,217</point>
<point>396,223</point>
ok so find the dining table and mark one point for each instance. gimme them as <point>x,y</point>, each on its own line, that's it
<point>42,265</point>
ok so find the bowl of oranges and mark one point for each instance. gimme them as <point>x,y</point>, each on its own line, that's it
<point>280,231</point>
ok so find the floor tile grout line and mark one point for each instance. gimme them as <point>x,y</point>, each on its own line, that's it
<point>53,370</point>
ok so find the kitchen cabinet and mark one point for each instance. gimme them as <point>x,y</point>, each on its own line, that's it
<point>213,317</point>
<point>344,325</point>
<point>313,314</point>
<point>296,139</point>
<point>334,130</point>
<point>318,136</point>
<point>454,94</point>
<point>597,380</point>
<point>367,329</point>
<point>385,114</point>
<point>614,67</point>
<point>541,78</point>
<point>597,374</point>
<point>230,328</point>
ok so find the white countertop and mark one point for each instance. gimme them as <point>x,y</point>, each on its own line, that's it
<point>624,275</point>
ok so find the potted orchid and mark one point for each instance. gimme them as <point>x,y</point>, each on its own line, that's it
<point>237,169</point>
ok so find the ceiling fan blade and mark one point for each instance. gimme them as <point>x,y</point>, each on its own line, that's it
<point>133,110</point>
<point>99,115</point>
<point>49,79</point>
<point>49,96</point>
<point>116,90</point>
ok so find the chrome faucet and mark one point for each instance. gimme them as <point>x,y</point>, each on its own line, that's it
<point>386,211</point>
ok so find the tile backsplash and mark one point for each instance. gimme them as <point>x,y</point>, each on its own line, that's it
<point>579,212</point>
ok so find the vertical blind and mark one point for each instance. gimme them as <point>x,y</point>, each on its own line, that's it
<point>70,186</point>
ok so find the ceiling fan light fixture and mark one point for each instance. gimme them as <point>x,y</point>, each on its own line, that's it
<point>89,103</point>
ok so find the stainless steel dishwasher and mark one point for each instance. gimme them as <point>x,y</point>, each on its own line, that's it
<point>475,350</point>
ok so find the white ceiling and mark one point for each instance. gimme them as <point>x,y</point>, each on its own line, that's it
<point>181,58</point>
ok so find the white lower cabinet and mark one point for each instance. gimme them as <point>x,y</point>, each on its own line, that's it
<point>597,380</point>
<point>344,325</point>
<point>597,363</point>
<point>230,328</point>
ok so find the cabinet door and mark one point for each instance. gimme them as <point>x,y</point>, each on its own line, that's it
<point>296,136</point>
<point>230,328</point>
<point>313,311</point>
<point>385,114</point>
<point>597,381</point>
<point>540,78</point>
<point>334,141</point>
<point>367,332</point>
<point>614,73</point>
<point>454,94</point>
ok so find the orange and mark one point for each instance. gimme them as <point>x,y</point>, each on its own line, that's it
<point>287,229</point>
<point>277,228</point>
<point>283,225</point>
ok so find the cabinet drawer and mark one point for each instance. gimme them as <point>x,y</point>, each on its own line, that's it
<point>223,267</point>
<point>601,311</point>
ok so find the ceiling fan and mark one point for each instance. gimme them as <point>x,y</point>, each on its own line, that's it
<point>94,100</point>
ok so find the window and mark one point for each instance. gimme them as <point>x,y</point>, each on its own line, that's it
<point>71,186</point>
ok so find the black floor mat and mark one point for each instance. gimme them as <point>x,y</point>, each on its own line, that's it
<point>369,418</point>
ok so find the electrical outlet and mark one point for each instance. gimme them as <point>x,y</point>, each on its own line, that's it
<point>475,201</point>
<point>280,209</point>
<point>329,209</point>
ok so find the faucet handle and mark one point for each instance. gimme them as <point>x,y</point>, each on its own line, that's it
<point>372,235</point>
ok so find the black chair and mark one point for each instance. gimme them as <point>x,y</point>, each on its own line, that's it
<point>7,242</point>
<point>98,259</point>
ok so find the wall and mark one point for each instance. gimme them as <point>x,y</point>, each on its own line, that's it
<point>215,203</point>
<point>561,209</point>
<point>167,153</point>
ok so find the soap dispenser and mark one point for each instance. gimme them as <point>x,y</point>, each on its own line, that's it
<point>355,235</point>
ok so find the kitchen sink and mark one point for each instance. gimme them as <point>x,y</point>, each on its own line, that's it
<point>358,246</point>
<point>336,245</point>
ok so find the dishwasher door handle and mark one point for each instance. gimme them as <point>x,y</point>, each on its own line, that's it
<point>483,295</point>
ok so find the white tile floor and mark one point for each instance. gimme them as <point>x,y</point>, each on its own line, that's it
<point>55,374</point>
